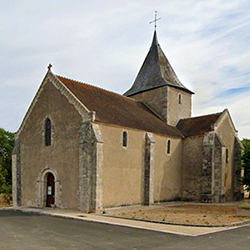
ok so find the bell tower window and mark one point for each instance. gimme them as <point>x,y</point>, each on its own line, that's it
<point>47,132</point>
<point>179,98</point>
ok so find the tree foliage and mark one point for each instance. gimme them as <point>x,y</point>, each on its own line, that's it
<point>7,141</point>
<point>246,162</point>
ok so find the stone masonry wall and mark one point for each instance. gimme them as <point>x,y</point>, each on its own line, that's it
<point>192,168</point>
<point>206,188</point>
<point>218,194</point>
<point>149,161</point>
<point>164,101</point>
<point>155,99</point>
<point>176,110</point>
<point>91,168</point>
<point>213,169</point>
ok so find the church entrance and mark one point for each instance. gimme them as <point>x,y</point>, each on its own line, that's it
<point>50,190</point>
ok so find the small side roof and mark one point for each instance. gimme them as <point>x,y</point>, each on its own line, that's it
<point>116,109</point>
<point>197,125</point>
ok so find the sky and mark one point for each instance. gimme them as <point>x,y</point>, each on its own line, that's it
<point>104,43</point>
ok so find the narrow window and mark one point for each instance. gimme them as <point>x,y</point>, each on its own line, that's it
<point>179,99</point>
<point>48,132</point>
<point>124,139</point>
<point>169,147</point>
<point>227,157</point>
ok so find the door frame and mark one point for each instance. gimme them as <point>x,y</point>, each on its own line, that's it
<point>41,187</point>
<point>50,190</point>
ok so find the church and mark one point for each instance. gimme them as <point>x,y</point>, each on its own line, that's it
<point>85,148</point>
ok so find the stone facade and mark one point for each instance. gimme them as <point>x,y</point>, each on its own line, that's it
<point>33,158</point>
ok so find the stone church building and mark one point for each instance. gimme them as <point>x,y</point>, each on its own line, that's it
<point>82,147</point>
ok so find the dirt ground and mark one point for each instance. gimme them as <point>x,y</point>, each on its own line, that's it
<point>188,214</point>
<point>5,200</point>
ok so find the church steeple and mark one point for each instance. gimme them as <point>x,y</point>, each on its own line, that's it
<point>158,87</point>
<point>155,72</point>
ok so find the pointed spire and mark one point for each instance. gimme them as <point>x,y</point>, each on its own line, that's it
<point>155,40</point>
<point>155,72</point>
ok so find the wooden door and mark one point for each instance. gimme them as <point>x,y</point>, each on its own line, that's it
<point>50,190</point>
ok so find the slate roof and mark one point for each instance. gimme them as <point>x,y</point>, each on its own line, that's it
<point>155,72</point>
<point>116,109</point>
<point>197,125</point>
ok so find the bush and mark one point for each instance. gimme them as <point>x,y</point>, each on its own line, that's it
<point>7,142</point>
<point>6,189</point>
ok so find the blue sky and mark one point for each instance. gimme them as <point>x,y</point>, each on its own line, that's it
<point>104,43</point>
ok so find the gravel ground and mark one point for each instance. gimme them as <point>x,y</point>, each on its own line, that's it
<point>184,214</point>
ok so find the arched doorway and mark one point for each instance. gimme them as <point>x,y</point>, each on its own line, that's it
<point>42,188</point>
<point>50,190</point>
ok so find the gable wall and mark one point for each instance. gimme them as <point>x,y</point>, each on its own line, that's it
<point>62,155</point>
<point>227,135</point>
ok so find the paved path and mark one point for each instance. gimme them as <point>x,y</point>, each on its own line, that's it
<point>22,230</point>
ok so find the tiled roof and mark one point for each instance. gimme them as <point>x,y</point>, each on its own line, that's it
<point>155,72</point>
<point>116,109</point>
<point>197,125</point>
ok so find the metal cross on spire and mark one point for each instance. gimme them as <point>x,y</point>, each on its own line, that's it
<point>156,19</point>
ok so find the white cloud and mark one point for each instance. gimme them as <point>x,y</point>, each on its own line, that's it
<point>105,42</point>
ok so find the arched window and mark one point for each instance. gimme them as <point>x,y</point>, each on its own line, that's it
<point>179,98</point>
<point>124,139</point>
<point>47,132</point>
<point>169,147</point>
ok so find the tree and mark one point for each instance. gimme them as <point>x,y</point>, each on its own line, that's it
<point>7,141</point>
<point>246,163</point>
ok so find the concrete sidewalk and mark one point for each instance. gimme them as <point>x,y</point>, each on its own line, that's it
<point>164,228</point>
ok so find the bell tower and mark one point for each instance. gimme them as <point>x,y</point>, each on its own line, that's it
<point>159,88</point>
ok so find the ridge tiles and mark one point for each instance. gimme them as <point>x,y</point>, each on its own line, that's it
<point>155,72</point>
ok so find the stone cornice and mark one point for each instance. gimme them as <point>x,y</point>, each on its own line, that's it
<point>79,106</point>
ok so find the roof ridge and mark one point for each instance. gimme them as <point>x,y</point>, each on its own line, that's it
<point>97,87</point>
<point>201,116</point>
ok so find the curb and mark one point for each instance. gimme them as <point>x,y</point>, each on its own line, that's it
<point>232,224</point>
